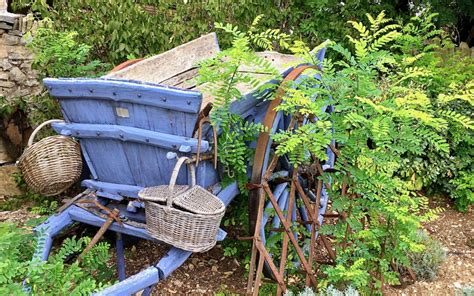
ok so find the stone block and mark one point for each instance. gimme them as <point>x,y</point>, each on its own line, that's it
<point>10,18</point>
<point>15,33</point>
<point>5,64</point>
<point>6,84</point>
<point>17,75</point>
<point>6,26</point>
<point>20,92</point>
<point>3,76</point>
<point>26,64</point>
<point>3,52</point>
<point>8,185</point>
<point>4,155</point>
<point>8,39</point>
<point>19,53</point>
<point>31,82</point>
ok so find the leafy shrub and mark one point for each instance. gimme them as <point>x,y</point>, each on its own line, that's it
<point>330,291</point>
<point>127,28</point>
<point>56,54</point>
<point>59,54</point>
<point>382,115</point>
<point>448,80</point>
<point>466,290</point>
<point>118,30</point>
<point>54,277</point>
<point>222,78</point>
<point>426,263</point>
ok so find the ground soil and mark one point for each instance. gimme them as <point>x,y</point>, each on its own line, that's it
<point>204,273</point>
<point>455,231</point>
<point>212,272</point>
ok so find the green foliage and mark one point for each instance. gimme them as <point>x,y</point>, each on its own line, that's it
<point>330,291</point>
<point>124,28</point>
<point>446,160</point>
<point>235,223</point>
<point>390,116</point>
<point>226,84</point>
<point>426,263</point>
<point>463,192</point>
<point>139,28</point>
<point>466,290</point>
<point>383,114</point>
<point>59,54</point>
<point>302,143</point>
<point>56,54</point>
<point>54,277</point>
<point>36,203</point>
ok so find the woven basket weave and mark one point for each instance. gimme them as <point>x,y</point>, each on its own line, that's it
<point>52,164</point>
<point>182,216</point>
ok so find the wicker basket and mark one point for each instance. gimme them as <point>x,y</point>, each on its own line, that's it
<point>182,216</point>
<point>52,164</point>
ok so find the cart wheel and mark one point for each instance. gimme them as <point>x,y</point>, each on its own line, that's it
<point>280,183</point>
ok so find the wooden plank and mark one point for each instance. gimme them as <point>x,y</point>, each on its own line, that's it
<point>256,240</point>
<point>125,91</point>
<point>133,284</point>
<point>183,79</point>
<point>163,66</point>
<point>129,134</point>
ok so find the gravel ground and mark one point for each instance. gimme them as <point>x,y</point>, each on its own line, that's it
<point>455,231</point>
<point>212,272</point>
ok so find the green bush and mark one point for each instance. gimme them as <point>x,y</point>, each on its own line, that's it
<point>56,54</point>
<point>330,291</point>
<point>449,84</point>
<point>384,114</point>
<point>463,290</point>
<point>54,277</point>
<point>426,263</point>
<point>122,29</point>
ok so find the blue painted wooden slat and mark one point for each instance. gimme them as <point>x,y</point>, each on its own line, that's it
<point>133,284</point>
<point>131,134</point>
<point>126,91</point>
<point>46,232</point>
<point>109,161</point>
<point>78,110</point>
<point>81,215</point>
<point>88,160</point>
<point>117,189</point>
<point>172,260</point>
<point>227,194</point>
<point>120,257</point>
<point>206,175</point>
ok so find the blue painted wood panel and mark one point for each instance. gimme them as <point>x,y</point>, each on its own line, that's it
<point>118,102</point>
<point>129,134</point>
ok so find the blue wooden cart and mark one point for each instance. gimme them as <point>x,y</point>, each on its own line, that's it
<point>131,124</point>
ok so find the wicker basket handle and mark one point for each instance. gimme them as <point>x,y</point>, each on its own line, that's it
<point>33,134</point>
<point>174,176</point>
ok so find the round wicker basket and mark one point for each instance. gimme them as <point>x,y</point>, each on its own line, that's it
<point>51,165</point>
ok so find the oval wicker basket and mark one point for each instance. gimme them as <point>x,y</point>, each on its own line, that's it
<point>51,165</point>
<point>182,216</point>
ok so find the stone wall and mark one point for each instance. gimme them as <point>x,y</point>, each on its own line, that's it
<point>17,79</point>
